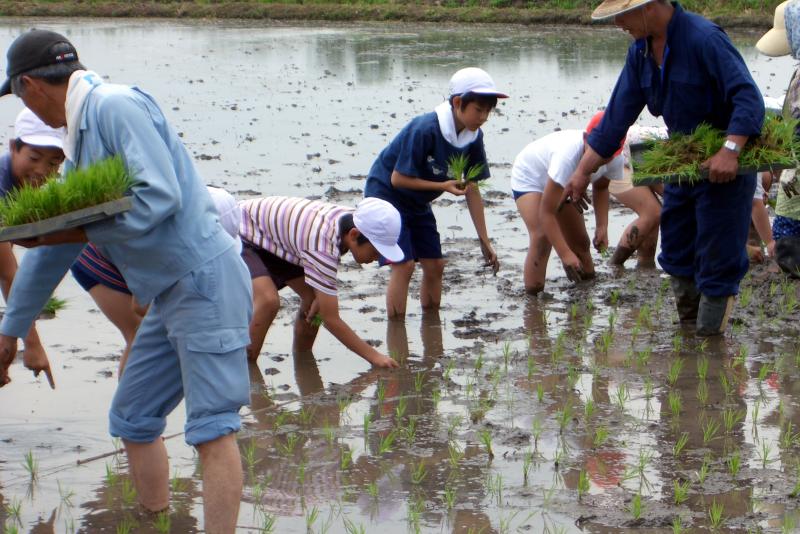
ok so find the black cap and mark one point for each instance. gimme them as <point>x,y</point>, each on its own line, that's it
<point>34,49</point>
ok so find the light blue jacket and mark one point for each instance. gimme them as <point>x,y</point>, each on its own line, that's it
<point>171,229</point>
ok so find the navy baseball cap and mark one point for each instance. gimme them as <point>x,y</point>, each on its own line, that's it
<point>34,49</point>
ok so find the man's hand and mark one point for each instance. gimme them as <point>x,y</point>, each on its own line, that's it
<point>489,256</point>
<point>8,351</point>
<point>600,240</point>
<point>382,361</point>
<point>722,166</point>
<point>572,267</point>
<point>452,186</point>
<point>36,360</point>
<point>73,235</point>
<point>575,191</point>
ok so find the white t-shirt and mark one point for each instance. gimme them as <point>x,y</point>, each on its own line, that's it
<point>555,156</point>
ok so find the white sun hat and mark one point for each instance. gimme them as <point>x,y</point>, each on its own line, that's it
<point>775,42</point>
<point>474,80</point>
<point>380,222</point>
<point>30,129</point>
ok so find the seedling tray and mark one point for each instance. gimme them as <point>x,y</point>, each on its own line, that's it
<point>637,149</point>
<point>66,221</point>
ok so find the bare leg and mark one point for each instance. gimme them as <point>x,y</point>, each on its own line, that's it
<point>539,247</point>
<point>266,303</point>
<point>642,233</point>
<point>574,229</point>
<point>149,469</point>
<point>120,308</point>
<point>397,292</point>
<point>304,332</point>
<point>430,291</point>
<point>222,484</point>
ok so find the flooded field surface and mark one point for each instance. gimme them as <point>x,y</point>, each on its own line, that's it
<point>587,409</point>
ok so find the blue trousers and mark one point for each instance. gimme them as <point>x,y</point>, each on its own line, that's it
<point>704,229</point>
<point>191,344</point>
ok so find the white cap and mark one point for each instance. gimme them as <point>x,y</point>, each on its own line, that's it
<point>30,129</point>
<point>230,215</point>
<point>380,222</point>
<point>474,80</point>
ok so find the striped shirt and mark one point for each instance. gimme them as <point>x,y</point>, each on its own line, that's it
<point>303,232</point>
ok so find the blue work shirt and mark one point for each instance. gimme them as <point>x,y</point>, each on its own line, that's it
<point>171,229</point>
<point>421,151</point>
<point>703,79</point>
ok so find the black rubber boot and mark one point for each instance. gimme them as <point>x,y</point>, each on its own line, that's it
<point>687,298</point>
<point>713,315</point>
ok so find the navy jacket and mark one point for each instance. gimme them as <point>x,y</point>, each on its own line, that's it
<point>704,79</point>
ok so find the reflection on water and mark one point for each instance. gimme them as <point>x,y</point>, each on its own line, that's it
<point>509,413</point>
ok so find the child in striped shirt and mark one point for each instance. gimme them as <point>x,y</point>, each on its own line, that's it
<point>298,243</point>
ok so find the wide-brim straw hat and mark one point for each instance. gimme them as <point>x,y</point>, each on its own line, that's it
<point>612,8</point>
<point>775,42</point>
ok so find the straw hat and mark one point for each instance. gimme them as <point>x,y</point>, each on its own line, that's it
<point>775,42</point>
<point>612,8</point>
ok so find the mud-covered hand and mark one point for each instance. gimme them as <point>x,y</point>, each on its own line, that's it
<point>489,255</point>
<point>572,267</point>
<point>722,166</point>
<point>600,240</point>
<point>8,351</point>
<point>36,360</point>
<point>575,192</point>
<point>771,248</point>
<point>452,187</point>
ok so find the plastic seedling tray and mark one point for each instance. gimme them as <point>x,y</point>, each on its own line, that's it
<point>66,221</point>
<point>637,149</point>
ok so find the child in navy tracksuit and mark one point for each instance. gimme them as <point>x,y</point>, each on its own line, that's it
<point>414,170</point>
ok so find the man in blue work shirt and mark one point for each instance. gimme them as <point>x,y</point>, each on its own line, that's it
<point>685,68</point>
<point>174,255</point>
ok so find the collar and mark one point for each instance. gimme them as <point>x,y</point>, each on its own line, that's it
<point>643,45</point>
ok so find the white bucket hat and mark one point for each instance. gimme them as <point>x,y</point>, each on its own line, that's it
<point>380,222</point>
<point>474,80</point>
<point>30,129</point>
<point>776,42</point>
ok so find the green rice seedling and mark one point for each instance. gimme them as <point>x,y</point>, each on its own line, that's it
<point>675,402</point>
<point>727,387</point>
<point>583,484</point>
<point>288,447</point>
<point>600,436</point>
<point>589,408</point>
<point>622,396</point>
<point>31,465</point>
<point>680,444</point>
<point>400,409</point>
<point>710,428</point>
<point>702,392</point>
<point>765,454</point>
<point>436,397</point>
<point>111,476</point>
<point>734,463</point>
<point>101,182</point>
<point>307,415</point>
<point>10,528</point>
<point>564,416</point>
<point>281,418</point>
<point>343,402</point>
<point>453,423</point>
<point>419,381</point>
<point>531,367</point>
<point>604,341</point>
<point>65,494</point>
<point>14,510</point>
<point>367,421</point>
<point>572,375</point>
<point>346,458</point>
<point>615,294</point>
<point>677,343</point>
<point>317,320</point>
<point>730,418</point>
<point>745,296</point>
<point>53,305</point>
<point>715,514</point>
<point>448,370</point>
<point>372,490</point>
<point>636,508</point>
<point>162,522</point>
<point>536,432</point>
<point>789,524</point>
<point>127,525</point>
<point>329,433</point>
<point>351,528</point>
<point>462,172</point>
<point>789,438</point>
<point>449,496</point>
<point>702,367</point>
<point>680,491</point>
<point>479,363</point>
<point>128,492</point>
<point>387,441</point>
<point>705,467</point>
<point>485,437</point>
<point>643,356</point>
<point>177,484</point>
<point>539,392</point>
<point>455,454</point>
<point>380,391</point>
<point>648,388</point>
<point>796,488</point>
<point>674,370</point>
<point>644,319</point>
<point>410,430</point>
<point>527,461</point>
<point>612,319</point>
<point>494,487</point>
<point>677,527</point>
<point>418,473</point>
<point>506,354</point>
<point>250,455</point>
<point>301,473</point>
<point>311,518</point>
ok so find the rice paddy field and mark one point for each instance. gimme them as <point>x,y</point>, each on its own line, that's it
<point>587,409</point>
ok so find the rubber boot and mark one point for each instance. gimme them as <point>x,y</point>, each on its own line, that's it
<point>687,298</point>
<point>713,315</point>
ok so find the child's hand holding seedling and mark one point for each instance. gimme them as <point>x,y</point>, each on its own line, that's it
<point>489,256</point>
<point>463,175</point>
<point>453,187</point>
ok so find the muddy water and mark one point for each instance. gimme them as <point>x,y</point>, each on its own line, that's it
<point>576,392</point>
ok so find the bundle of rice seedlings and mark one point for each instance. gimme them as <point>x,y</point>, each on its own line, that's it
<point>100,182</point>
<point>681,155</point>
<point>461,171</point>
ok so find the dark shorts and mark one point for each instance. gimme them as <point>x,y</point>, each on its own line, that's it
<point>517,194</point>
<point>263,263</point>
<point>419,238</point>
<point>92,268</point>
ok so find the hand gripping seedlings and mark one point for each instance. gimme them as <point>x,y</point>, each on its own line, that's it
<point>462,172</point>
